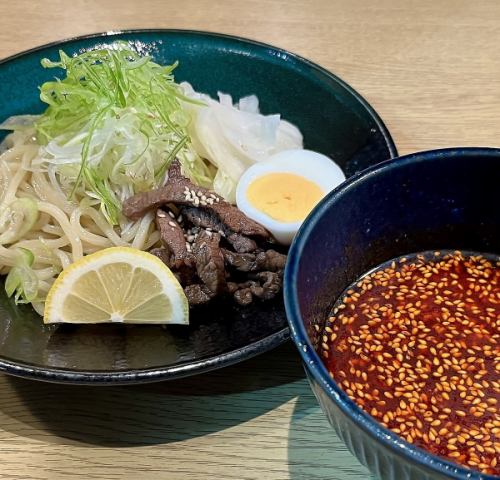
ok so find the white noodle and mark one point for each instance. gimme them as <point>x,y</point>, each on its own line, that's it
<point>85,235</point>
<point>46,273</point>
<point>65,230</point>
<point>143,230</point>
<point>46,192</point>
<point>64,258</point>
<point>103,224</point>
<point>14,183</point>
<point>58,214</point>
<point>52,229</point>
<point>153,240</point>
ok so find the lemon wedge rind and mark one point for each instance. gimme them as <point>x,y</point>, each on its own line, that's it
<point>117,285</point>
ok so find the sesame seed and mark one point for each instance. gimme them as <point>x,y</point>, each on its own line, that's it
<point>423,331</point>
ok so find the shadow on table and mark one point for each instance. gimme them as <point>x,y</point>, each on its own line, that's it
<point>315,452</point>
<point>151,414</point>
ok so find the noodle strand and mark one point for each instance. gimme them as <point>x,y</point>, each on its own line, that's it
<point>65,230</point>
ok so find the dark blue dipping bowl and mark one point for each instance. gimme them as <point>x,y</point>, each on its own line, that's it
<point>444,199</point>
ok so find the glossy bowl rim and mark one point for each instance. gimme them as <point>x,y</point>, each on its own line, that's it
<point>311,359</point>
<point>202,365</point>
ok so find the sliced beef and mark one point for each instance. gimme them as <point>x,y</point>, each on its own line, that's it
<point>241,243</point>
<point>270,283</point>
<point>265,285</point>
<point>243,296</point>
<point>138,205</point>
<point>175,252</point>
<point>163,254</point>
<point>175,170</point>
<point>204,260</point>
<point>198,294</point>
<point>180,191</point>
<point>210,261</point>
<point>244,262</point>
<point>233,287</point>
<point>172,235</point>
<point>200,217</point>
<point>184,271</point>
<point>204,218</point>
<point>211,247</point>
<point>270,260</point>
<point>242,292</point>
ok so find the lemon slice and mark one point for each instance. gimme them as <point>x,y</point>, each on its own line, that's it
<point>117,284</point>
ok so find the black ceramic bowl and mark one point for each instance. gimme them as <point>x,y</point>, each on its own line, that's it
<point>334,120</point>
<point>445,199</point>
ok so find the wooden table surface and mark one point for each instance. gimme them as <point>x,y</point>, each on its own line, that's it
<point>432,71</point>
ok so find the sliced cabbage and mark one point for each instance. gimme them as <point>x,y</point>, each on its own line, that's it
<point>234,137</point>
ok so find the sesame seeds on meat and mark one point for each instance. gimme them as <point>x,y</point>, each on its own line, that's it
<point>195,225</point>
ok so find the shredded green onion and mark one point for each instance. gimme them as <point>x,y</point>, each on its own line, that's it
<point>22,281</point>
<point>119,117</point>
<point>22,214</point>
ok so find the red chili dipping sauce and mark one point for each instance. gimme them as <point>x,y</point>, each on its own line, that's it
<point>416,344</point>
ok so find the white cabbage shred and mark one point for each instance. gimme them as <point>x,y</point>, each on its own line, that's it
<point>235,136</point>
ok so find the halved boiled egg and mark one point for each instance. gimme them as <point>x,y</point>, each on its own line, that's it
<point>280,192</point>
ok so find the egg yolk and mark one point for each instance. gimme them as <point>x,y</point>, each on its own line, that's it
<point>286,197</point>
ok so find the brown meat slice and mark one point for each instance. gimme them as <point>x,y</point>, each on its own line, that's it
<point>266,285</point>
<point>163,254</point>
<point>171,234</point>
<point>185,273</point>
<point>209,261</point>
<point>269,260</point>
<point>241,243</point>
<point>198,294</point>
<point>243,296</point>
<point>270,283</point>
<point>242,292</point>
<point>175,171</point>
<point>180,191</point>
<point>201,217</point>
<point>175,252</point>
<point>244,262</point>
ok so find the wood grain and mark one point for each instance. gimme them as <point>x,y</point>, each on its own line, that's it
<point>429,68</point>
<point>244,422</point>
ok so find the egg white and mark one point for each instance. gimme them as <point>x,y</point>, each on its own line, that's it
<point>313,166</point>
